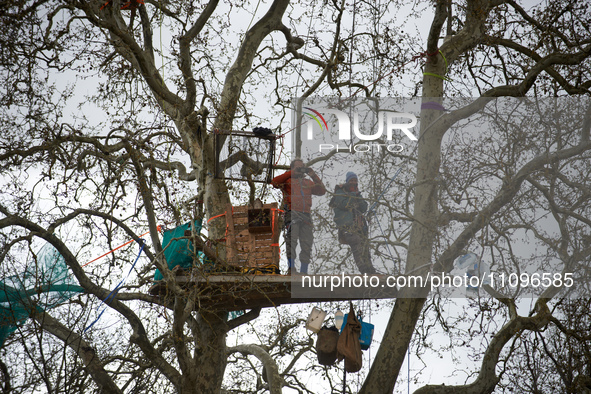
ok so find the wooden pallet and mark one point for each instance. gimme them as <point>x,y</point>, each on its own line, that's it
<point>252,238</point>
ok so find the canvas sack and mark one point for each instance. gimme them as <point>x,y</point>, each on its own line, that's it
<point>348,346</point>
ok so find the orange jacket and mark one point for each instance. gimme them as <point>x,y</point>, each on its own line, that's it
<point>297,192</point>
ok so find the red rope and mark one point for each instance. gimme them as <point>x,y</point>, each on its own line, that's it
<point>126,5</point>
<point>118,247</point>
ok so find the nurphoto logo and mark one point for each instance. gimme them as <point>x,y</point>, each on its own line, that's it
<point>386,124</point>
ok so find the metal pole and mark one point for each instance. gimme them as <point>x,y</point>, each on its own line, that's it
<point>408,370</point>
<point>297,138</point>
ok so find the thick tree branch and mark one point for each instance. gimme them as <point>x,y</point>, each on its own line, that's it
<point>441,12</point>
<point>472,32</point>
<point>185,55</point>
<point>147,32</point>
<point>178,336</point>
<point>82,348</point>
<point>243,319</point>
<point>273,377</point>
<point>487,378</point>
<point>542,64</point>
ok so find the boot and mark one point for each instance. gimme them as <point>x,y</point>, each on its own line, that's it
<point>304,268</point>
<point>289,265</point>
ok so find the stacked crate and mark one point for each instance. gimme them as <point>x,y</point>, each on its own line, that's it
<point>252,238</point>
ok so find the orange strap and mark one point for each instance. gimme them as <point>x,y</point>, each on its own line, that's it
<point>220,215</point>
<point>273,213</point>
<point>278,250</point>
<point>215,217</point>
<point>118,247</point>
<point>273,220</point>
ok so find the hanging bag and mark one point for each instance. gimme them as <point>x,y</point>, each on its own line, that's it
<point>326,345</point>
<point>366,335</point>
<point>348,346</point>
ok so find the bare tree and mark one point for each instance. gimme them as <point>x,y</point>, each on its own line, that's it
<point>166,75</point>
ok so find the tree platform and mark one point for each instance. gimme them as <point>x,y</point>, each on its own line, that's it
<point>236,291</point>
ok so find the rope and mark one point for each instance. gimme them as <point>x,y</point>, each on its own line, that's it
<point>159,228</point>
<point>215,217</point>
<point>438,76</point>
<point>433,105</point>
<point>112,294</point>
<point>444,72</point>
<point>132,5</point>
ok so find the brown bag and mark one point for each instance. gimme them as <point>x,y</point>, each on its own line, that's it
<point>326,345</point>
<point>348,347</point>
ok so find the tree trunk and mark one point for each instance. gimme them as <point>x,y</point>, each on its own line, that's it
<point>386,367</point>
<point>211,354</point>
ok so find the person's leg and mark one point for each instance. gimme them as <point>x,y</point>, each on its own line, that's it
<point>290,243</point>
<point>366,257</point>
<point>360,249</point>
<point>306,237</point>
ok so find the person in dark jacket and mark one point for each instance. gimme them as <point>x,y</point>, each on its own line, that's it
<point>297,199</point>
<point>349,207</point>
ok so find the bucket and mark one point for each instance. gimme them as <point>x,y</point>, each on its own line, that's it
<point>315,320</point>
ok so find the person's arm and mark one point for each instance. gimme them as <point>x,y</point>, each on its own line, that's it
<point>349,201</point>
<point>280,180</point>
<point>343,200</point>
<point>318,189</point>
<point>361,203</point>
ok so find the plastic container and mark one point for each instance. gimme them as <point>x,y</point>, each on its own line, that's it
<point>315,320</point>
<point>472,266</point>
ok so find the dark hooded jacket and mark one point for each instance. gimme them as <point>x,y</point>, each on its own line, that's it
<point>349,208</point>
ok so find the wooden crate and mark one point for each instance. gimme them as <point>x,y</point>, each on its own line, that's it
<point>252,241</point>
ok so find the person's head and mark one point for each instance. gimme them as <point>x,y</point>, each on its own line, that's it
<point>297,162</point>
<point>297,166</point>
<point>351,182</point>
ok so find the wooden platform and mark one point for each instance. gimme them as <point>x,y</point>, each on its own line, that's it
<point>233,292</point>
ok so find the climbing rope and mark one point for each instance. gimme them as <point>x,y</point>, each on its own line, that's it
<point>107,301</point>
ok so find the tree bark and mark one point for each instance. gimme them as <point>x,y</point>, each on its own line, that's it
<point>273,377</point>
<point>86,352</point>
<point>390,357</point>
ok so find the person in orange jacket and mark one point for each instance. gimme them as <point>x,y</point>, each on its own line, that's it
<point>297,200</point>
